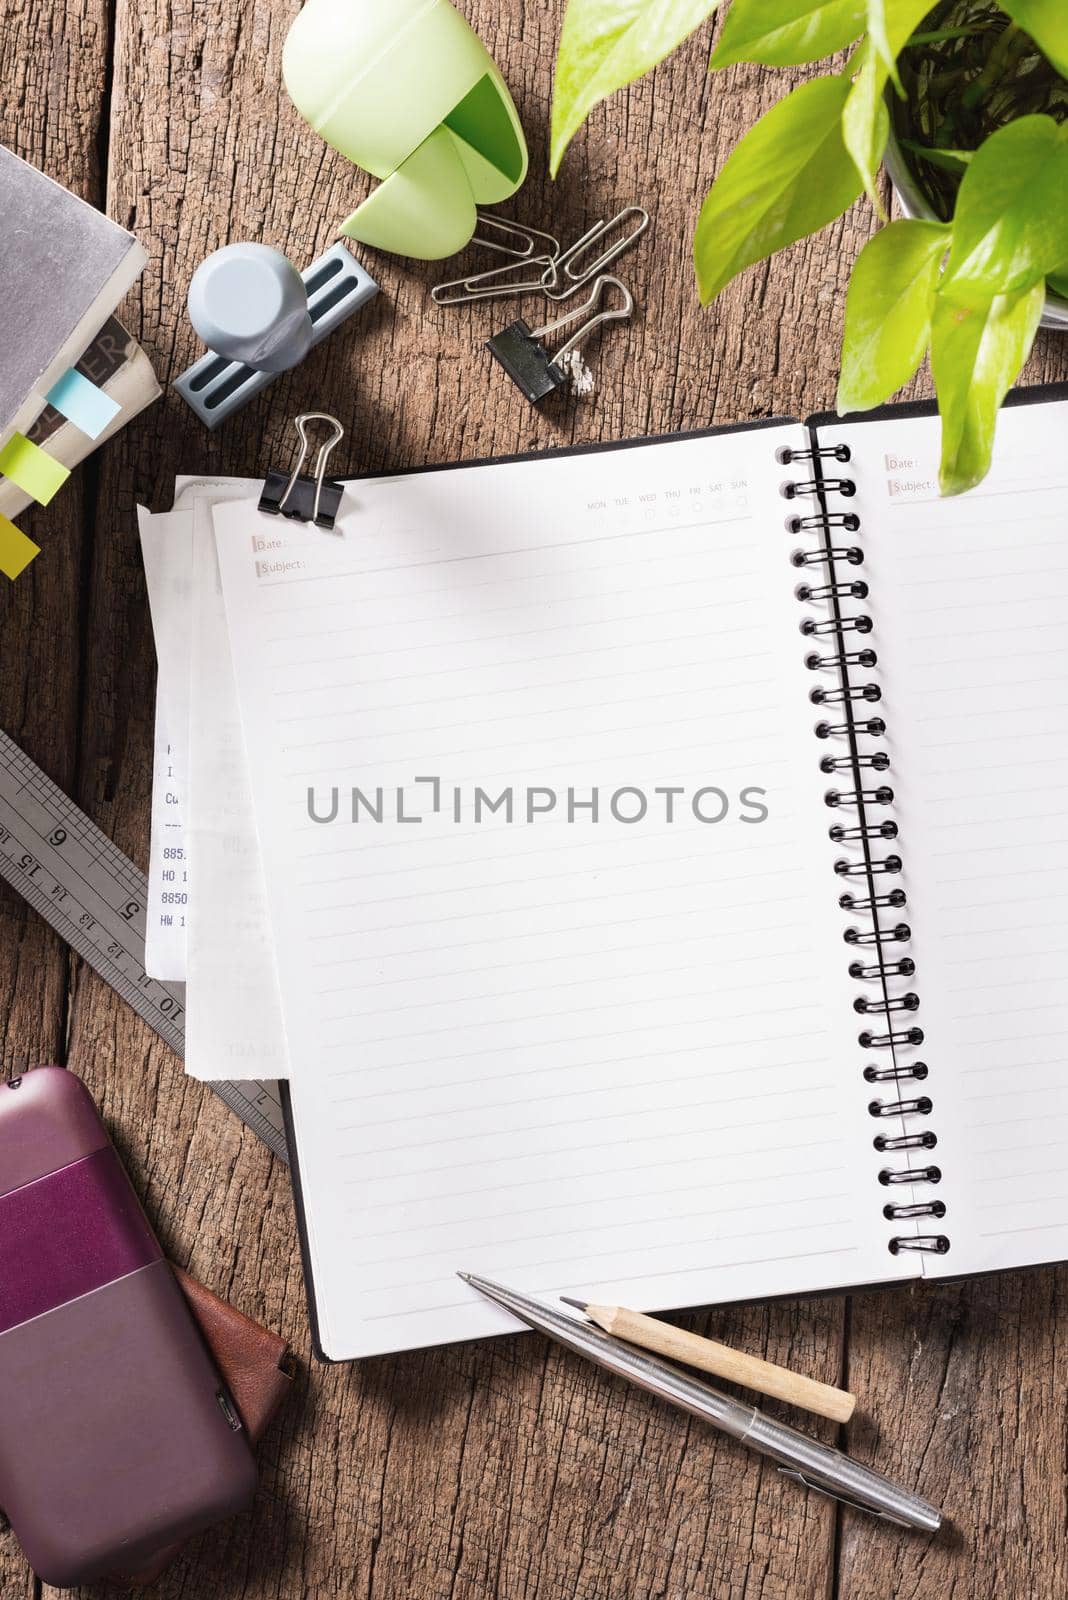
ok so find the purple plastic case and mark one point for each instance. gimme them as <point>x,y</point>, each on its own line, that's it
<point>117,1436</point>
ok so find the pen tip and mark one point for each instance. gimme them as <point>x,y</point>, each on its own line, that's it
<point>580,1305</point>
<point>466,1276</point>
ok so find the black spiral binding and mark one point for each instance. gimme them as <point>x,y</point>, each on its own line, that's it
<point>841,654</point>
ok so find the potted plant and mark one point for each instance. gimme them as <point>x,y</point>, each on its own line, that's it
<point>967,74</point>
<point>979,98</point>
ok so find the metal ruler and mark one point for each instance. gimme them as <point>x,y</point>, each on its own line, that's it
<point>95,898</point>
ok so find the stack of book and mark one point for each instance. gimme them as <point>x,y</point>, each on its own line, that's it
<point>70,374</point>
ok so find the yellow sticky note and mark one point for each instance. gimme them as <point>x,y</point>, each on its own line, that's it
<point>16,551</point>
<point>35,472</point>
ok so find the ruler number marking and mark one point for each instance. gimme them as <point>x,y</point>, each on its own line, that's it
<point>111,942</point>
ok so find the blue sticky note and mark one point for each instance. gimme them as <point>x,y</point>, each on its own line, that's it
<point>82,403</point>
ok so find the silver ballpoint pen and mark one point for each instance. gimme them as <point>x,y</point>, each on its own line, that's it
<point>810,1463</point>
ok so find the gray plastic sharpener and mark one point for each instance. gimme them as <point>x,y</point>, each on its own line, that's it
<point>259,316</point>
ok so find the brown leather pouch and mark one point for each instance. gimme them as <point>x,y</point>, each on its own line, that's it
<point>258,1371</point>
<point>256,1364</point>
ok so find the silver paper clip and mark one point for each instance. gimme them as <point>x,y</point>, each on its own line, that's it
<point>534,369</point>
<point>594,236</point>
<point>497,283</point>
<point>306,498</point>
<point>532,240</point>
<point>555,273</point>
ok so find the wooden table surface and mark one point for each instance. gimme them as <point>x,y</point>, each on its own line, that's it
<point>499,1469</point>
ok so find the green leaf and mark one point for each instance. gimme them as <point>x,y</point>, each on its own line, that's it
<point>1047,23</point>
<point>888,311</point>
<point>605,44</point>
<point>890,22</point>
<point>1058,281</point>
<point>865,121</point>
<point>883,47</point>
<point>976,356</point>
<point>785,33</point>
<point>1010,226</point>
<point>787,177</point>
<point>865,124</point>
<point>953,161</point>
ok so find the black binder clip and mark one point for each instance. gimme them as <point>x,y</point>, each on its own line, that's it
<point>530,365</point>
<point>299,495</point>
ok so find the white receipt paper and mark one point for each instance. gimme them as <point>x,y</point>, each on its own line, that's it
<point>219,940</point>
<point>233,1016</point>
<point>166,546</point>
<point>543,1050</point>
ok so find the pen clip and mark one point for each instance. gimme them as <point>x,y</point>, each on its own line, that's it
<point>808,1482</point>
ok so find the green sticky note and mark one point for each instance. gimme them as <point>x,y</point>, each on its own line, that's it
<point>32,468</point>
<point>16,551</point>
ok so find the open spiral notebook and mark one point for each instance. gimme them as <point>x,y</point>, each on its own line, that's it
<point>782,1014</point>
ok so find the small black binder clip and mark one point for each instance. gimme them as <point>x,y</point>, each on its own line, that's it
<point>535,369</point>
<point>308,499</point>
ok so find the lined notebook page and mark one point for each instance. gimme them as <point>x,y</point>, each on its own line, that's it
<point>970,597</point>
<point>610,1057</point>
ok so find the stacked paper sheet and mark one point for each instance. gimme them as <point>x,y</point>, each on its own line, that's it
<point>208,924</point>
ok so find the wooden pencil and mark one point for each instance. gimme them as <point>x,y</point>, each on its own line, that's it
<point>710,1356</point>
